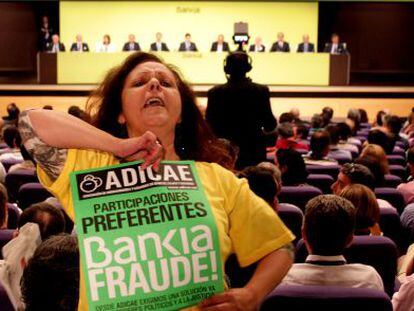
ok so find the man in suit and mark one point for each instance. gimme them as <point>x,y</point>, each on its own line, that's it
<point>55,46</point>
<point>79,45</point>
<point>335,47</point>
<point>239,111</point>
<point>280,45</point>
<point>220,45</point>
<point>158,45</point>
<point>187,45</point>
<point>306,46</point>
<point>257,46</point>
<point>131,45</point>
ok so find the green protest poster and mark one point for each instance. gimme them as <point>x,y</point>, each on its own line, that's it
<point>148,241</point>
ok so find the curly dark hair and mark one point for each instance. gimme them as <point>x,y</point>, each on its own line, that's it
<point>51,278</point>
<point>194,140</point>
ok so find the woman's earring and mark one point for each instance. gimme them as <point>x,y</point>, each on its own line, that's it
<point>179,145</point>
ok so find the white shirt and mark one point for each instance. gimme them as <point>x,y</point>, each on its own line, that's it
<point>403,300</point>
<point>343,274</point>
<point>219,47</point>
<point>159,46</point>
<point>334,49</point>
<point>102,48</point>
<point>258,48</point>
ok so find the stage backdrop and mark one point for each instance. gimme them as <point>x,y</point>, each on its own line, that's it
<point>205,21</point>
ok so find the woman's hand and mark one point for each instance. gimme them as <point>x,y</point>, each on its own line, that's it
<point>235,299</point>
<point>145,147</point>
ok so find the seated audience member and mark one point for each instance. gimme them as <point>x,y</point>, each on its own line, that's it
<point>262,183</point>
<point>286,137</point>
<point>55,46</point>
<point>27,164</point>
<point>319,150</point>
<point>379,119</point>
<point>327,230</point>
<point>403,300</point>
<point>79,113</point>
<point>316,123</point>
<point>220,45</point>
<point>16,254</point>
<point>187,45</point>
<point>105,46</point>
<point>355,116</point>
<point>344,132</point>
<point>257,46</point>
<point>305,46</point>
<point>407,189</point>
<point>409,125</point>
<point>386,141</point>
<point>158,45</point>
<point>232,151</point>
<point>367,209</point>
<point>51,278</point>
<point>296,115</point>
<point>302,132</point>
<point>79,45</point>
<point>393,125</point>
<point>375,168</point>
<point>286,117</point>
<point>364,115</point>
<point>280,45</point>
<point>335,150</point>
<point>351,173</point>
<point>13,140</point>
<point>292,166</point>
<point>327,115</point>
<point>378,153</point>
<point>12,116</point>
<point>49,218</point>
<point>3,207</point>
<point>277,175</point>
<point>131,45</point>
<point>335,46</point>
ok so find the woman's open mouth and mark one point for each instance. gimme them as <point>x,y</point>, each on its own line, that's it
<point>154,102</point>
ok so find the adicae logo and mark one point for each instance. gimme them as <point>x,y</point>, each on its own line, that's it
<point>90,183</point>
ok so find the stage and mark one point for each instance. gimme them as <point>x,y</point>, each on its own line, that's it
<point>309,99</point>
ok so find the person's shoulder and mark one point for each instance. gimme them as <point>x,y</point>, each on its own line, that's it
<point>214,171</point>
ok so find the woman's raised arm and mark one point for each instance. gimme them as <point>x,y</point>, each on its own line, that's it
<point>48,134</point>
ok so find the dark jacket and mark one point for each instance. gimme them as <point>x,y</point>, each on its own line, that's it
<point>237,111</point>
<point>127,47</point>
<point>163,47</point>
<point>340,50</point>
<point>182,48</point>
<point>311,47</point>
<point>251,48</point>
<point>277,48</point>
<point>49,47</point>
<point>74,47</point>
<point>215,44</point>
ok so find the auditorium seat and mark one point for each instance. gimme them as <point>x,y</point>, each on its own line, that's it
<point>399,145</point>
<point>7,163</point>
<point>392,196</point>
<point>14,180</point>
<point>31,193</point>
<point>365,125</point>
<point>292,217</point>
<point>13,216</point>
<point>332,170</point>
<point>377,251</point>
<point>5,236</point>
<point>362,139</point>
<point>399,170</point>
<point>391,227</point>
<point>5,302</point>
<point>392,181</point>
<point>363,132</point>
<point>325,298</point>
<point>341,159</point>
<point>398,151</point>
<point>396,159</point>
<point>321,181</point>
<point>299,195</point>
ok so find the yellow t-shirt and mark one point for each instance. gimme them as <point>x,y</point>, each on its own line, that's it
<point>246,224</point>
